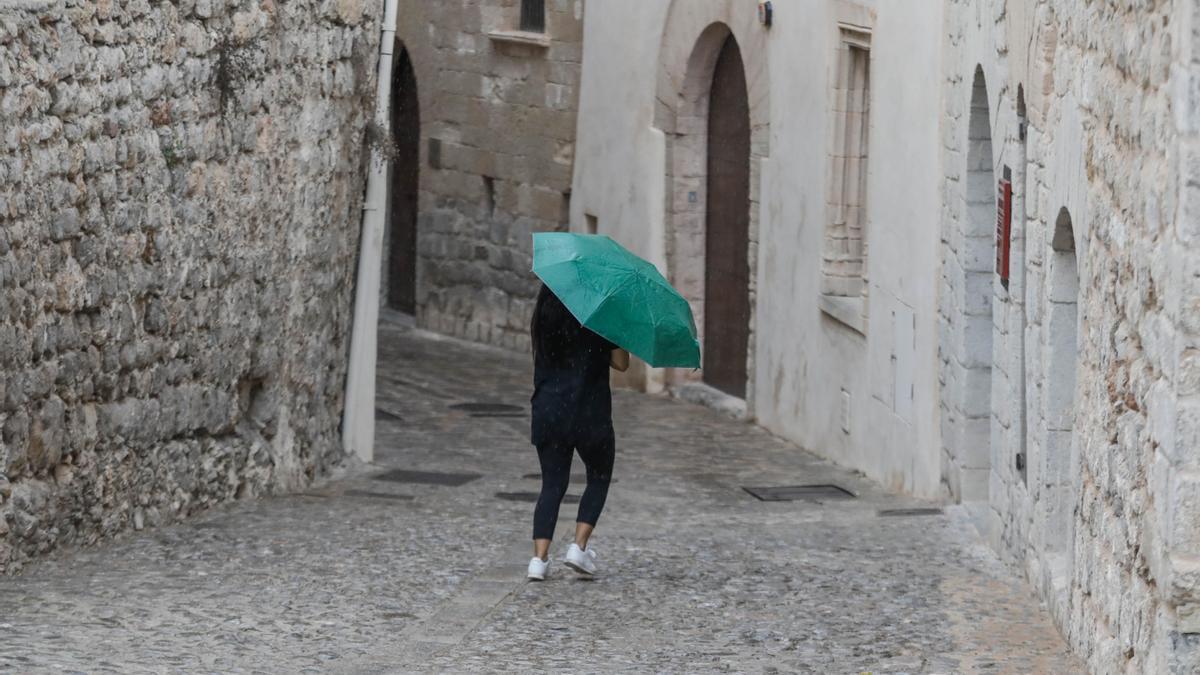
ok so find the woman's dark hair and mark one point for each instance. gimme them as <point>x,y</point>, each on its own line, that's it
<point>554,331</point>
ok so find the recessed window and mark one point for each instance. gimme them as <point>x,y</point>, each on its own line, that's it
<point>533,16</point>
<point>844,256</point>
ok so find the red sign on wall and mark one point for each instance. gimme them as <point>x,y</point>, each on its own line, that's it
<point>1003,228</point>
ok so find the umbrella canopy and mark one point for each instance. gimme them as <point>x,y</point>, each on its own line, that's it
<point>619,296</point>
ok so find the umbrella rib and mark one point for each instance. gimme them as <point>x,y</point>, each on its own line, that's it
<point>608,296</point>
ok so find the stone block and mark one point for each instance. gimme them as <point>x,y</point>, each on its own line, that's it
<point>975,392</point>
<point>974,443</point>
<point>1063,365</point>
<point>567,74</point>
<point>566,52</point>
<point>1184,452</point>
<point>1183,536</point>
<point>1184,644</point>
<point>1055,460</point>
<point>976,295</point>
<point>1188,225</point>
<point>559,97</point>
<point>974,347</point>
<point>973,484</point>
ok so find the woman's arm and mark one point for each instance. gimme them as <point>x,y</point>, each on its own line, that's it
<point>619,360</point>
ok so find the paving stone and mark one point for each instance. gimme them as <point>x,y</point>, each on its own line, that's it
<point>696,575</point>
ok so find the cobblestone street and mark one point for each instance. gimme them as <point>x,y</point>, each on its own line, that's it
<point>367,575</point>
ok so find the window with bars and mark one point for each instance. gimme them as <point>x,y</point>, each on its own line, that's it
<point>533,16</point>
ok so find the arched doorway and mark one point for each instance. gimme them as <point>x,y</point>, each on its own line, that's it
<point>690,87</point>
<point>401,267</point>
<point>970,273</point>
<point>727,222</point>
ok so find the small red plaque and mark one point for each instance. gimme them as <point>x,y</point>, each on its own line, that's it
<point>1003,228</point>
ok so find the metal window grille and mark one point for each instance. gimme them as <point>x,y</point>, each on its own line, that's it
<point>533,16</point>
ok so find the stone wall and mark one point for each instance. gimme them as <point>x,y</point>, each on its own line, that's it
<point>1093,455</point>
<point>498,113</point>
<point>180,201</point>
<point>1176,469</point>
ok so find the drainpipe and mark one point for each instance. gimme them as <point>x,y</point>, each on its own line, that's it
<point>358,419</point>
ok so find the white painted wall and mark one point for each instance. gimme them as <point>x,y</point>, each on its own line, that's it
<point>803,358</point>
<point>1119,575</point>
<point>619,155</point>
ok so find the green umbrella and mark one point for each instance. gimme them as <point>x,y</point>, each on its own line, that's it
<point>619,296</point>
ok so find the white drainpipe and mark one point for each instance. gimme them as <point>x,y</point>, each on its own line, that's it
<point>358,420</point>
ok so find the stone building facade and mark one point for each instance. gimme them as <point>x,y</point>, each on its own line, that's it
<point>180,202</point>
<point>497,87</point>
<point>1069,392</point>
<point>848,367</point>
<point>180,195</point>
<point>1058,402</point>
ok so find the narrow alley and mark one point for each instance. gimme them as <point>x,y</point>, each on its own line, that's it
<point>363,574</point>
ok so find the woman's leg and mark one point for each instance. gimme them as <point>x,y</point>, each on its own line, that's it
<point>598,457</point>
<point>555,459</point>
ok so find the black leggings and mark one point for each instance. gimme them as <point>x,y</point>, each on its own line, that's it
<point>555,458</point>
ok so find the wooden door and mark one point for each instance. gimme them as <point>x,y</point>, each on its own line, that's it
<point>405,187</point>
<point>727,273</point>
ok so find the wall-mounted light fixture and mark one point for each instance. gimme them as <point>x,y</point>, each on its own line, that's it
<point>766,13</point>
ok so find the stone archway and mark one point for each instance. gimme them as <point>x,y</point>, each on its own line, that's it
<point>727,222</point>
<point>390,206</point>
<point>400,268</point>
<point>969,260</point>
<point>718,69</point>
<point>1053,477</point>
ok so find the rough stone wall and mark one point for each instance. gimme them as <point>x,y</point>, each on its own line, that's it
<point>498,113</point>
<point>180,196</point>
<point>1176,426</point>
<point>1106,523</point>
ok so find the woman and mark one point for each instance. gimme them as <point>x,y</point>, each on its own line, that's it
<point>572,410</point>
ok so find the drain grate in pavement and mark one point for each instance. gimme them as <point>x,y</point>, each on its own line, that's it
<point>489,409</point>
<point>884,513</point>
<point>427,477</point>
<point>531,497</point>
<point>388,415</point>
<point>791,493</point>
<point>377,495</point>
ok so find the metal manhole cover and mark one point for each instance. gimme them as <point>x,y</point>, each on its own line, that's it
<point>910,512</point>
<point>791,493</point>
<point>427,477</point>
<point>531,497</point>
<point>490,409</point>
<point>377,495</point>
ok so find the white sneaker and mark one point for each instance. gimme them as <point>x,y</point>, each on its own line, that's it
<point>537,569</point>
<point>580,560</point>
